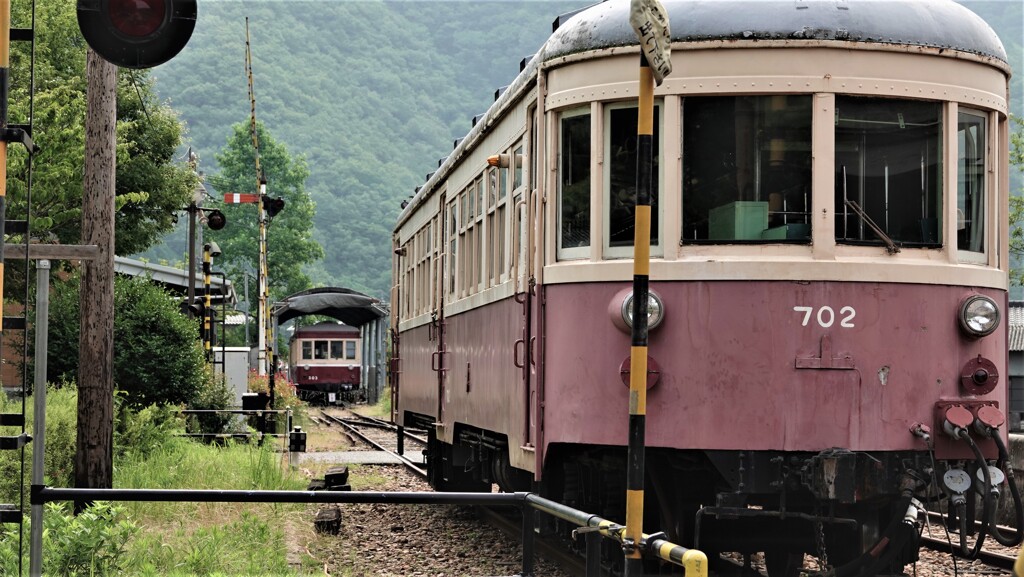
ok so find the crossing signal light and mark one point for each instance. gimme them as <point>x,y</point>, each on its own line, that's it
<point>273,205</point>
<point>216,220</point>
<point>136,33</point>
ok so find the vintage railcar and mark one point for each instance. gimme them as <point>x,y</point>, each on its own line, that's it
<point>829,271</point>
<point>324,362</point>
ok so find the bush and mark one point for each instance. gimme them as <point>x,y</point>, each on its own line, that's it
<point>140,432</point>
<point>158,358</point>
<point>93,543</point>
<point>60,442</point>
<point>90,543</point>
<point>214,394</point>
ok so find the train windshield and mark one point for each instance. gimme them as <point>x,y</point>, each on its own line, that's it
<point>574,185</point>
<point>888,172</point>
<point>620,177</point>
<point>747,169</point>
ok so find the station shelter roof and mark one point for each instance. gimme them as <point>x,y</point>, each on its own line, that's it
<point>346,305</point>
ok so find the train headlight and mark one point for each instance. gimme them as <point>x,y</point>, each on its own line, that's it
<point>978,315</point>
<point>655,310</point>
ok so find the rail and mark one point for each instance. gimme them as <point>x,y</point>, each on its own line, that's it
<point>416,468</point>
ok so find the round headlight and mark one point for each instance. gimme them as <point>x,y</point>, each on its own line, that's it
<point>978,316</point>
<point>655,310</point>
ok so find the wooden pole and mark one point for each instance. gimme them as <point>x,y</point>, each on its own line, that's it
<point>93,456</point>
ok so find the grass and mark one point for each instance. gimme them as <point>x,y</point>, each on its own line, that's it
<point>179,539</point>
<point>213,538</point>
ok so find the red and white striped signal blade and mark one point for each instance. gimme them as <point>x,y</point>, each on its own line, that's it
<point>238,198</point>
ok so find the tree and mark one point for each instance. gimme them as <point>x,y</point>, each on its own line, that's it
<point>290,243</point>
<point>151,185</point>
<point>1017,202</point>
<point>157,355</point>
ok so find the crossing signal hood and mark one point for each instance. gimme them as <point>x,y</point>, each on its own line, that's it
<point>273,205</point>
<point>194,310</point>
<point>136,33</point>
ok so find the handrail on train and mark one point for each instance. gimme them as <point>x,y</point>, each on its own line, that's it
<point>693,561</point>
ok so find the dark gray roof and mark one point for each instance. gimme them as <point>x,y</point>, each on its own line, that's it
<point>348,306</point>
<point>932,23</point>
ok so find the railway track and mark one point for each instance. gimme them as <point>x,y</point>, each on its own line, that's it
<point>356,429</point>
<point>990,557</point>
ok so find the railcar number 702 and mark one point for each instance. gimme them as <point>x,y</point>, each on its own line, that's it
<point>826,316</point>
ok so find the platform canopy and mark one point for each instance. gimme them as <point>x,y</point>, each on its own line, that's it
<point>348,306</point>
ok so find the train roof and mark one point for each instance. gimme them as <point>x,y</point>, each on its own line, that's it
<point>940,24</point>
<point>325,329</point>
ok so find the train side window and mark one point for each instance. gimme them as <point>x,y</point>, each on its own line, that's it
<point>574,185</point>
<point>888,172</point>
<point>747,169</point>
<point>336,349</point>
<point>620,178</point>
<point>452,259</point>
<point>350,349</point>
<point>972,144</point>
<point>320,349</point>
<point>307,350</point>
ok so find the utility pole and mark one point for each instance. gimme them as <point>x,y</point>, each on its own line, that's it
<point>94,453</point>
<point>261,321</point>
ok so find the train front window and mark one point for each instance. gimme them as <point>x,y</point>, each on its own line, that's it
<point>350,349</point>
<point>336,352</point>
<point>746,169</point>
<point>574,185</point>
<point>307,350</point>
<point>620,177</point>
<point>320,349</point>
<point>970,191</point>
<point>888,172</point>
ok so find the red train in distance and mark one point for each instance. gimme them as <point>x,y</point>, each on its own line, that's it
<point>324,362</point>
<point>828,349</point>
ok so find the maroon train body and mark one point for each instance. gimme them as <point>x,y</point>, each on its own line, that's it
<point>829,271</point>
<point>324,362</point>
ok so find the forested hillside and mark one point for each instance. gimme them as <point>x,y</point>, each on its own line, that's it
<point>373,93</point>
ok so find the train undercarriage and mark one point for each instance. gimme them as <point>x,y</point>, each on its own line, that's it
<point>323,395</point>
<point>843,508</point>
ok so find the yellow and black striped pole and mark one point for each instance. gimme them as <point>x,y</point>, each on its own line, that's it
<point>207,309</point>
<point>638,350</point>
<point>650,23</point>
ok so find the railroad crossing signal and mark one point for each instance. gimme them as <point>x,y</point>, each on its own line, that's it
<point>240,198</point>
<point>273,205</point>
<point>136,33</point>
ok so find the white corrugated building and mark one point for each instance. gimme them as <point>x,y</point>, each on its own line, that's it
<point>1015,322</point>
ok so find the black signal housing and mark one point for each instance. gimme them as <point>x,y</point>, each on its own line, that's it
<point>136,33</point>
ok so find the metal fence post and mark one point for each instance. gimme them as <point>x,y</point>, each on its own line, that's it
<point>39,412</point>
<point>528,544</point>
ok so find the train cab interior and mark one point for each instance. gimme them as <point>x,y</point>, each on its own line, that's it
<point>746,175</point>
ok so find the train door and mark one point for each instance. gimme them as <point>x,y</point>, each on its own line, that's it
<point>444,290</point>
<point>523,278</point>
<point>394,358</point>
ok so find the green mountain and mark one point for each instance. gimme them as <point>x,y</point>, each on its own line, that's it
<point>373,93</point>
